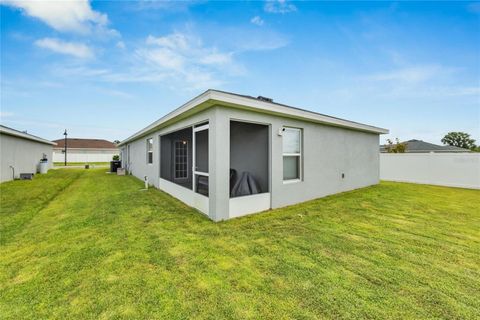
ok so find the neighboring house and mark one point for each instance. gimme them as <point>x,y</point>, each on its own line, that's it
<point>229,155</point>
<point>419,146</point>
<point>84,150</point>
<point>21,153</point>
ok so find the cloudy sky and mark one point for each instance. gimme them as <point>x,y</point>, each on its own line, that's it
<point>106,69</point>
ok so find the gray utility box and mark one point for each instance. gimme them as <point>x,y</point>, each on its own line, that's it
<point>114,165</point>
<point>26,176</point>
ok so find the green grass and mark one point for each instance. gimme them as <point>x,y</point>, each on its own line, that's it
<point>83,244</point>
<point>61,164</point>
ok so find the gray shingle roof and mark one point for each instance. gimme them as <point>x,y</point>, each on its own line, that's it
<point>419,146</point>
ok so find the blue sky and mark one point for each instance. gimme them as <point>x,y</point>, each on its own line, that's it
<point>106,69</point>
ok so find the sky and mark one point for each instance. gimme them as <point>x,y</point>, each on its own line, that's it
<point>105,69</point>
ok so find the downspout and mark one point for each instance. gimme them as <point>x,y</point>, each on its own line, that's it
<point>13,172</point>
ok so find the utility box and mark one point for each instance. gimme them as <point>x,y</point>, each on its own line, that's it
<point>120,171</point>
<point>43,167</point>
<point>26,176</point>
<point>114,165</point>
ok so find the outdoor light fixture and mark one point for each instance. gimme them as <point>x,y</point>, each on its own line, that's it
<point>65,151</point>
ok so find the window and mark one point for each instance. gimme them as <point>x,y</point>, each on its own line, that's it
<point>292,154</point>
<point>181,159</point>
<point>150,151</point>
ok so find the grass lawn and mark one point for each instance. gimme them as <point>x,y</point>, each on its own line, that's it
<point>61,164</point>
<point>83,244</point>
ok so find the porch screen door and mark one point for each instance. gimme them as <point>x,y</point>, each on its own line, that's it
<point>200,159</point>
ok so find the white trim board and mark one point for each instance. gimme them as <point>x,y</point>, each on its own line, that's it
<point>214,97</point>
<point>19,134</point>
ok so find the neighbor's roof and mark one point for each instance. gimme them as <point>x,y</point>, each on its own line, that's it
<point>75,143</point>
<point>419,146</point>
<point>24,135</point>
<point>215,97</point>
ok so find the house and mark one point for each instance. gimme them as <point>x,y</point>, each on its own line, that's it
<point>21,152</point>
<point>419,146</point>
<point>84,150</point>
<point>229,155</point>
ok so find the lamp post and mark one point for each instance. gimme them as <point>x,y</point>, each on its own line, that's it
<point>65,134</point>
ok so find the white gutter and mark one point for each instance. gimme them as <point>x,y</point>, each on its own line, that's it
<point>16,133</point>
<point>214,97</point>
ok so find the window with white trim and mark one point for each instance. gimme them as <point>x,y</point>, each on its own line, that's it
<point>292,154</point>
<point>150,151</point>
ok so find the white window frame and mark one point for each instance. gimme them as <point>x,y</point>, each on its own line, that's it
<point>149,151</point>
<point>299,155</point>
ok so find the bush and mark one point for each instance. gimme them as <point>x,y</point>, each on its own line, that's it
<point>116,157</point>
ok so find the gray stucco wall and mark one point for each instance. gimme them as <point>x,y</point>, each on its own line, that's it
<point>23,154</point>
<point>327,153</point>
<point>138,161</point>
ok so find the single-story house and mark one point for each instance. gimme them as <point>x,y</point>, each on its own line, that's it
<point>419,146</point>
<point>84,150</point>
<point>21,153</point>
<point>229,155</point>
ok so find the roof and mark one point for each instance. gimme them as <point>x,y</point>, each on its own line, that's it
<point>419,146</point>
<point>76,143</point>
<point>212,97</point>
<point>24,135</point>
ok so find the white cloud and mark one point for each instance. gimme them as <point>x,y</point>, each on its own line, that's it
<point>216,58</point>
<point>65,16</point>
<point>175,41</point>
<point>5,114</point>
<point>75,49</point>
<point>257,20</point>
<point>163,57</point>
<point>183,57</point>
<point>411,75</point>
<point>279,6</point>
<point>120,45</point>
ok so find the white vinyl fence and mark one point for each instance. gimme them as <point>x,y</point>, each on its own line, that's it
<point>85,156</point>
<point>444,169</point>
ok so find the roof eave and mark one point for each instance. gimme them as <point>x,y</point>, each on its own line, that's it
<point>212,97</point>
<point>27,136</point>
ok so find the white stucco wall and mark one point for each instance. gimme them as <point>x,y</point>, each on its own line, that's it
<point>23,154</point>
<point>327,153</point>
<point>85,155</point>
<point>445,169</point>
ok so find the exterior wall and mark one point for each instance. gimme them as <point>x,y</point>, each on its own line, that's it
<point>23,154</point>
<point>85,155</point>
<point>445,169</point>
<point>328,152</point>
<point>137,164</point>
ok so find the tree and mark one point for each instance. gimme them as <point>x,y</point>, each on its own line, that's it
<point>116,141</point>
<point>398,147</point>
<point>459,139</point>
